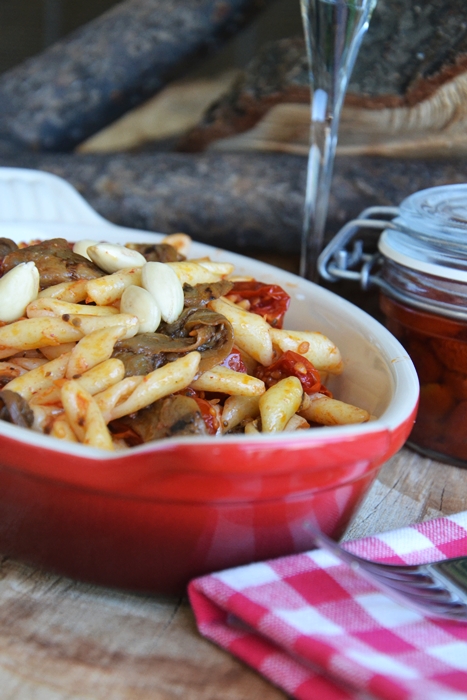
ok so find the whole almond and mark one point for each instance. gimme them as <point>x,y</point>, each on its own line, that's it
<point>81,247</point>
<point>162,283</point>
<point>18,287</point>
<point>140,303</point>
<point>112,257</point>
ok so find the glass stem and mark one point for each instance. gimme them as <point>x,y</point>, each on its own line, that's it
<point>323,140</point>
<point>328,83</point>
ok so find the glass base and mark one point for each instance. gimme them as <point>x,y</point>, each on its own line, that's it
<point>437,456</point>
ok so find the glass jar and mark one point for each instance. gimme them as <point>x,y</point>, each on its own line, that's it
<point>420,267</point>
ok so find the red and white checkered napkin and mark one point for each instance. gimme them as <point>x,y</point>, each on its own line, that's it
<point>319,631</point>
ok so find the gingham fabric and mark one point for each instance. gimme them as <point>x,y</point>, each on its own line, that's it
<point>319,631</point>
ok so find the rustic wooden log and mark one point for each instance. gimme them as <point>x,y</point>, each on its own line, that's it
<point>411,48</point>
<point>57,99</point>
<point>233,200</point>
<point>160,121</point>
<point>277,75</point>
<point>408,90</point>
<point>239,201</point>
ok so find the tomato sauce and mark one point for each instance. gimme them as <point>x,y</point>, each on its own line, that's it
<point>267,300</point>
<point>208,414</point>
<point>292,364</point>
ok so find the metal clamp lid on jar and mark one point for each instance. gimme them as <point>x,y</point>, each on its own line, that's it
<point>427,233</point>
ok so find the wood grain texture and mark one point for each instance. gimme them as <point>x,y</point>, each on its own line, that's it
<point>162,119</point>
<point>410,488</point>
<point>435,127</point>
<point>90,78</point>
<point>62,640</point>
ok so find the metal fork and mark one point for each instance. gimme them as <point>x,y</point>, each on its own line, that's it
<point>438,589</point>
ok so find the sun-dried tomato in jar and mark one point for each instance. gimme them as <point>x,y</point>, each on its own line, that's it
<point>438,348</point>
<point>424,300</point>
<point>420,267</point>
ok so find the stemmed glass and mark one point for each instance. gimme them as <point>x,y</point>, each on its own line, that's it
<point>334,30</point>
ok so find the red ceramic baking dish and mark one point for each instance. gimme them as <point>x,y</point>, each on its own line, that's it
<point>154,516</point>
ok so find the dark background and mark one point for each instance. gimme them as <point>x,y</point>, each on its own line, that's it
<point>29,26</point>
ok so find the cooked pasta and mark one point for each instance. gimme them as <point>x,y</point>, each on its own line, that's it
<point>167,347</point>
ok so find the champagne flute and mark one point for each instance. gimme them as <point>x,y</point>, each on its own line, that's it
<point>334,30</point>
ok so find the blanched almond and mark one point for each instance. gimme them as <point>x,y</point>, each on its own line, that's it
<point>140,303</point>
<point>163,284</point>
<point>18,288</point>
<point>81,247</point>
<point>112,257</point>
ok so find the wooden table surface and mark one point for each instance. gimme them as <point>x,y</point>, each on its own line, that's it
<point>64,640</point>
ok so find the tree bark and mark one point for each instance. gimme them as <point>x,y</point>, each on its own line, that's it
<point>56,100</point>
<point>409,85</point>
<point>243,202</point>
<point>410,48</point>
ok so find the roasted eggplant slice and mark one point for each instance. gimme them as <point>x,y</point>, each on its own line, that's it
<point>202,294</point>
<point>55,261</point>
<point>157,252</point>
<point>15,409</point>
<point>168,417</point>
<point>201,329</point>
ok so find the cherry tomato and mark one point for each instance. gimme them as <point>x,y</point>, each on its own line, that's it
<point>234,361</point>
<point>208,414</point>
<point>267,300</point>
<point>291,364</point>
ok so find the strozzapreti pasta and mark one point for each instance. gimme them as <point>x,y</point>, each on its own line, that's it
<point>114,346</point>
